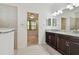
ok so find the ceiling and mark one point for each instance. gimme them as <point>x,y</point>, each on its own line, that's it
<point>51,6</point>
<point>57,6</point>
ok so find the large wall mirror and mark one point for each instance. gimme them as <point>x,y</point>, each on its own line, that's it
<point>66,18</point>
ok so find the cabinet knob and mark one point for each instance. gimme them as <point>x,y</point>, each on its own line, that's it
<point>49,37</point>
<point>67,43</point>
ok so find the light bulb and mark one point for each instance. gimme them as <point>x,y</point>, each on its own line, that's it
<point>54,14</point>
<point>76,5</point>
<point>70,7</point>
<point>60,11</point>
<point>32,16</point>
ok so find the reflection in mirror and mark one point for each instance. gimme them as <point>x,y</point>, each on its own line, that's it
<point>49,22</point>
<point>74,24</point>
<point>63,23</point>
<point>68,19</point>
<point>54,22</point>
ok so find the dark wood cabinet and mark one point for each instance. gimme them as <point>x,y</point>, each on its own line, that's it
<point>65,44</point>
<point>62,45</point>
<point>50,39</point>
<point>74,45</point>
<point>74,48</point>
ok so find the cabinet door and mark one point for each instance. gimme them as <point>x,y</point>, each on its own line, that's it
<point>48,38</point>
<point>53,40</point>
<point>63,45</point>
<point>7,43</point>
<point>74,48</point>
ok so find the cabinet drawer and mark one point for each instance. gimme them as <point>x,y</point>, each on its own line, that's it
<point>74,48</point>
<point>74,39</point>
<point>64,36</point>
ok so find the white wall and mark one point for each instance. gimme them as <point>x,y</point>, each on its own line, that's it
<point>8,17</point>
<point>42,9</point>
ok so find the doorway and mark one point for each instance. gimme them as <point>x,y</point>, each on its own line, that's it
<point>32,30</point>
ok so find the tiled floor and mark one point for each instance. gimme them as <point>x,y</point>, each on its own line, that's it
<point>50,50</point>
<point>37,50</point>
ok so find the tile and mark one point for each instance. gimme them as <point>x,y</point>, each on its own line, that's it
<point>50,50</point>
<point>32,50</point>
<point>42,49</point>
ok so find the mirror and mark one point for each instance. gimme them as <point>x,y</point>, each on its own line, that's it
<point>70,22</point>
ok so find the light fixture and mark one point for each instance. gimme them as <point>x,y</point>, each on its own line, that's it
<point>54,14</point>
<point>31,16</point>
<point>70,7</point>
<point>57,13</point>
<point>76,5</point>
<point>60,11</point>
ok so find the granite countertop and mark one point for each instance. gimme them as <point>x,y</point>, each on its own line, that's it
<point>6,30</point>
<point>64,32</point>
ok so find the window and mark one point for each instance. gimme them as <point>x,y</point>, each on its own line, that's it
<point>31,25</point>
<point>52,22</point>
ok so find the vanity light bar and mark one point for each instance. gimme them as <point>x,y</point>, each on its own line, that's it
<point>70,7</point>
<point>60,11</point>
<point>57,13</point>
<point>76,5</point>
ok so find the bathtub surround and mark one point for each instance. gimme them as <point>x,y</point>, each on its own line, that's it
<point>6,41</point>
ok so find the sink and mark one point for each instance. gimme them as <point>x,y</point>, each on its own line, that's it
<point>54,30</point>
<point>76,32</point>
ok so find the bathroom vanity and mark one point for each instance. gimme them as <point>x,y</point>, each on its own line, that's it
<point>66,43</point>
<point>6,41</point>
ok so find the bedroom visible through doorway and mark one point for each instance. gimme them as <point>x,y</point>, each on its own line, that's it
<point>32,30</point>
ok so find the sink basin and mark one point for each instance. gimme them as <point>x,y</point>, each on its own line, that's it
<point>54,30</point>
<point>75,32</point>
